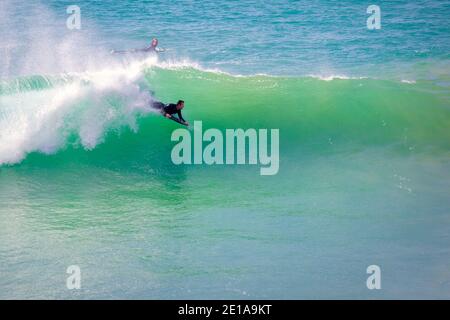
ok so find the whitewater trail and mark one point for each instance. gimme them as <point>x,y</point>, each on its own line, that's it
<point>42,119</point>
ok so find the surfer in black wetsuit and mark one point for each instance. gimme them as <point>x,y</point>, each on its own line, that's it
<point>168,110</point>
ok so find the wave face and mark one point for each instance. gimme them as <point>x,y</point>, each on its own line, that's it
<point>62,113</point>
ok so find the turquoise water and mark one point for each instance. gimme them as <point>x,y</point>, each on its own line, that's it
<point>86,176</point>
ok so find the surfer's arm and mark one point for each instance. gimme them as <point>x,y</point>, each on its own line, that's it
<point>127,51</point>
<point>132,50</point>
<point>142,50</point>
<point>180,116</point>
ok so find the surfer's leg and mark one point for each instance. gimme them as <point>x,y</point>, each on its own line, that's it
<point>157,105</point>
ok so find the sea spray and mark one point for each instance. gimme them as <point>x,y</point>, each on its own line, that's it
<point>88,106</point>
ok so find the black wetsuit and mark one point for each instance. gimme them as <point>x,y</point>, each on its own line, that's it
<point>170,108</point>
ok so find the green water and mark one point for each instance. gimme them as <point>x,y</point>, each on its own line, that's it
<point>363,179</point>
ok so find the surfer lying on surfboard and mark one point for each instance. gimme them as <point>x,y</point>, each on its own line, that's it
<point>153,48</point>
<point>168,110</point>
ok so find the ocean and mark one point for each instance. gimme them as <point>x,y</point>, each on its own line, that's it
<point>87,178</point>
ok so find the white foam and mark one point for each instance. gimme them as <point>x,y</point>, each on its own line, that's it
<point>332,77</point>
<point>92,103</point>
